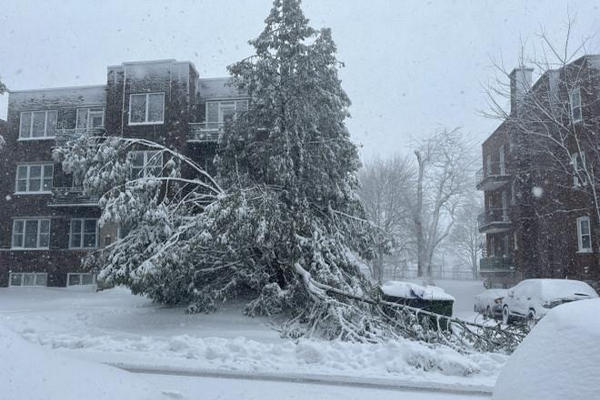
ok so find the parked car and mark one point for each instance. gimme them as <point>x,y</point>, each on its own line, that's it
<point>489,303</point>
<point>531,299</point>
<point>559,359</point>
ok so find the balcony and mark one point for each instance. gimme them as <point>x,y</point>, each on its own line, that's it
<point>496,264</point>
<point>72,197</point>
<point>204,132</point>
<point>64,135</point>
<point>494,220</point>
<point>492,177</point>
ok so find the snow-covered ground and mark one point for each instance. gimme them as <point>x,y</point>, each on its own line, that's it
<point>114,326</point>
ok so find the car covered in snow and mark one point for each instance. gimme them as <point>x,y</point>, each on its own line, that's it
<point>558,360</point>
<point>489,303</point>
<point>531,299</point>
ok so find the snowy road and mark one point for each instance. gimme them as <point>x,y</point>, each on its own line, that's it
<point>212,388</point>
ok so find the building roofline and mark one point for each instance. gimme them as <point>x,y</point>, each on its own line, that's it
<point>57,88</point>
<point>215,78</point>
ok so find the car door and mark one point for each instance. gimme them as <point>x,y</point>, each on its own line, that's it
<point>520,298</point>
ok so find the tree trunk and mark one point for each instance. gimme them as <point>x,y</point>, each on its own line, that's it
<point>418,217</point>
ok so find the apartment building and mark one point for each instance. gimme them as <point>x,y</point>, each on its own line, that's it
<point>47,223</point>
<point>540,218</point>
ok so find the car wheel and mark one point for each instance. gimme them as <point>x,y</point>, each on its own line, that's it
<point>505,315</point>
<point>531,320</point>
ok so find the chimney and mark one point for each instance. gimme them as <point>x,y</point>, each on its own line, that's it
<point>520,83</point>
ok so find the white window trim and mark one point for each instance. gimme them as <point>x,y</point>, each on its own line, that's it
<point>81,240</point>
<point>580,247</point>
<point>29,165</point>
<point>145,164</point>
<point>45,137</point>
<point>219,110</point>
<point>22,278</point>
<point>577,91</point>
<point>69,274</point>
<point>39,222</point>
<point>87,117</point>
<point>577,170</point>
<point>146,122</point>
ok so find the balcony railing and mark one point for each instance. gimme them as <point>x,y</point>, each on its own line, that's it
<point>63,135</point>
<point>204,131</point>
<point>496,264</point>
<point>492,177</point>
<point>72,197</point>
<point>493,220</point>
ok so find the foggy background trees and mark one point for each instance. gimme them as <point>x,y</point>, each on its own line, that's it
<point>424,206</point>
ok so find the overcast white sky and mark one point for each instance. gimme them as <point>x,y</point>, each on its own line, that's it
<point>411,66</point>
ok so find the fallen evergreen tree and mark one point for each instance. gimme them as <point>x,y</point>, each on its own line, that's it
<point>280,225</point>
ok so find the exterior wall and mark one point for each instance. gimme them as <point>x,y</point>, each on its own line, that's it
<point>543,215</point>
<point>185,98</point>
<point>58,260</point>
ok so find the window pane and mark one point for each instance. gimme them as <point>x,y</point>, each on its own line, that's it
<point>87,279</point>
<point>45,226</point>
<point>28,280</point>
<point>75,240</point>
<point>41,279</point>
<point>137,158</point>
<point>18,226</point>
<point>17,239</point>
<point>585,226</point>
<point>35,174</point>
<point>74,279</point>
<point>97,119</point>
<point>212,112</point>
<point>586,242</point>
<point>75,233</point>
<point>51,123</point>
<point>15,279</point>
<point>82,116</point>
<point>48,173</point>
<point>89,240</point>
<point>138,108</point>
<point>39,123</point>
<point>25,127</point>
<point>22,178</point>
<point>90,226</point>
<point>156,107</point>
<point>31,231</point>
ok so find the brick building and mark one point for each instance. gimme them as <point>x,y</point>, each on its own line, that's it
<point>47,224</point>
<point>540,218</point>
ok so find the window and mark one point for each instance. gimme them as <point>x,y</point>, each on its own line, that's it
<point>515,241</point>
<point>77,279</point>
<point>83,233</point>
<point>37,125</point>
<point>90,118</point>
<point>584,235</point>
<point>575,102</point>
<point>220,112</point>
<point>34,178</point>
<point>146,163</point>
<point>579,173</point>
<point>31,234</point>
<point>147,108</point>
<point>28,279</point>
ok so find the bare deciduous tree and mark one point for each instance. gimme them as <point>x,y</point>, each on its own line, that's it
<point>384,187</point>
<point>465,240</point>
<point>444,163</point>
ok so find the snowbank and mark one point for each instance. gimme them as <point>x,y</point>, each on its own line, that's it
<point>559,359</point>
<point>29,372</point>
<point>412,291</point>
<point>116,327</point>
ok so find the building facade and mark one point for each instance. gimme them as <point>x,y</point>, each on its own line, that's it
<point>47,223</point>
<point>541,213</point>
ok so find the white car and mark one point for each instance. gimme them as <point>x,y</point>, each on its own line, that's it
<point>489,303</point>
<point>531,299</point>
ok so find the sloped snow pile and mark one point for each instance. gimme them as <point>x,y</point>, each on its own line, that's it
<point>559,359</point>
<point>29,372</point>
<point>393,359</point>
<point>411,290</point>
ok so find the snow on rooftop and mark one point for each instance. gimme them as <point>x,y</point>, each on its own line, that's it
<point>412,290</point>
